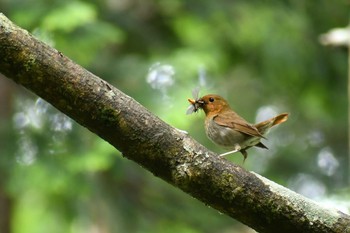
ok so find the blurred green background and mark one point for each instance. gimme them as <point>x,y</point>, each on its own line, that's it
<point>263,56</point>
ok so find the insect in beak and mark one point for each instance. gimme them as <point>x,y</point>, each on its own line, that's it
<point>195,103</point>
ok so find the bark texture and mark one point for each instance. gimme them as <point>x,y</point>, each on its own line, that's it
<point>163,150</point>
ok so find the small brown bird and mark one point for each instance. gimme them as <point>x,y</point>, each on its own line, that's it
<point>227,129</point>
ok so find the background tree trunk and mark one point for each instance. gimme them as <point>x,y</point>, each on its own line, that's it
<point>6,203</point>
<point>163,150</point>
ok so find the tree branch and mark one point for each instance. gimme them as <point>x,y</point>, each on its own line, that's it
<point>166,152</point>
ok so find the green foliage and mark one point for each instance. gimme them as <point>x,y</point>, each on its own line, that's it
<point>71,24</point>
<point>69,17</point>
<point>264,57</point>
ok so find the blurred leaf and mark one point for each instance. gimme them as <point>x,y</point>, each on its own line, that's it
<point>70,16</point>
<point>100,158</point>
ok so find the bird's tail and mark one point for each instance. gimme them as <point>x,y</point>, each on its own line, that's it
<point>264,126</point>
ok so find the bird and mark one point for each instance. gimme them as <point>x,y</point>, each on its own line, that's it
<point>226,128</point>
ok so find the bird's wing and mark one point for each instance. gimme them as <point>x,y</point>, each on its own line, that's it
<point>235,122</point>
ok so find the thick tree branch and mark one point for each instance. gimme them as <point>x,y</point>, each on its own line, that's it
<point>158,147</point>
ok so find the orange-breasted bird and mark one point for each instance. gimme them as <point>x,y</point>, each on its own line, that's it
<point>227,129</point>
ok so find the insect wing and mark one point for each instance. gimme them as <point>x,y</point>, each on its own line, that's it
<point>195,93</point>
<point>190,109</point>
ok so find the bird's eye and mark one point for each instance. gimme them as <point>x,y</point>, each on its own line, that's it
<point>211,99</point>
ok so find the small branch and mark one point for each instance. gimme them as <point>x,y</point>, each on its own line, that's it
<point>158,147</point>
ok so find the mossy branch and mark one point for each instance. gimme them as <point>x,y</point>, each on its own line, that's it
<point>166,152</point>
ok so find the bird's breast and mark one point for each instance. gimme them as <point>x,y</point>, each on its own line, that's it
<point>228,137</point>
<point>223,136</point>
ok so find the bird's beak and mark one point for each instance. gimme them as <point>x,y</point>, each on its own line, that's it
<point>200,102</point>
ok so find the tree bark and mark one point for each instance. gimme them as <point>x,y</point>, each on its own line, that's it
<point>163,150</point>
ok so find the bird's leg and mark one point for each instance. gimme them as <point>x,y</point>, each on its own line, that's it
<point>237,148</point>
<point>227,153</point>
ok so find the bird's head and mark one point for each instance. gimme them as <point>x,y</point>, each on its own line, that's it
<point>210,104</point>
